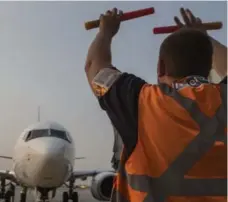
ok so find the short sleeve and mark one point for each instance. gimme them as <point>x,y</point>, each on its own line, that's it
<point>121,105</point>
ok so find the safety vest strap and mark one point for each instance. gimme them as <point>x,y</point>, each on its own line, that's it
<point>172,182</point>
<point>223,90</point>
<point>187,187</point>
<point>211,130</point>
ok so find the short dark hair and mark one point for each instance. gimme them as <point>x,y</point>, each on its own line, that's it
<point>187,52</point>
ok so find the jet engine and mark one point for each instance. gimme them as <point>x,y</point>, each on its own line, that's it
<point>101,186</point>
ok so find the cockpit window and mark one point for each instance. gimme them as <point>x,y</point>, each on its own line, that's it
<point>69,137</point>
<point>47,133</point>
<point>59,134</point>
<point>37,133</point>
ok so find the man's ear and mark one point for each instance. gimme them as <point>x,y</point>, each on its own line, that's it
<point>161,68</point>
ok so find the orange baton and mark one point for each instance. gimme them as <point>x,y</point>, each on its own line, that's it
<point>126,16</point>
<point>170,29</point>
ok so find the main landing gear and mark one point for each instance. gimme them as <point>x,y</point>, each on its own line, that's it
<point>23,194</point>
<point>7,194</point>
<point>71,195</point>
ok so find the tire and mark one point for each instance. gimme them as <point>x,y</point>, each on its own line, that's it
<point>8,196</point>
<point>65,197</point>
<point>7,199</point>
<point>75,197</point>
<point>22,197</point>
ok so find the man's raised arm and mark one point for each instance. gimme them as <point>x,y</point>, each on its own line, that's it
<point>219,58</point>
<point>99,54</point>
<point>117,91</point>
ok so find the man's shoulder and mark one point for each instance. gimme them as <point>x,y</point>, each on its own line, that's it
<point>150,88</point>
<point>111,79</point>
<point>104,80</point>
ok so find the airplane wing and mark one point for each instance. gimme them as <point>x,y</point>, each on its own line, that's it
<point>6,157</point>
<point>8,175</point>
<point>77,158</point>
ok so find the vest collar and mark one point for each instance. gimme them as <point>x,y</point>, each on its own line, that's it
<point>192,81</point>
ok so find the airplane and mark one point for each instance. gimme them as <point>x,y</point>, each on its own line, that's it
<point>43,160</point>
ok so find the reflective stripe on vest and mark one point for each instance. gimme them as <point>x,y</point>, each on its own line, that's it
<point>172,182</point>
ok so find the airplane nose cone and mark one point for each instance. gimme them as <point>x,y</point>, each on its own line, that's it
<point>50,167</point>
<point>48,148</point>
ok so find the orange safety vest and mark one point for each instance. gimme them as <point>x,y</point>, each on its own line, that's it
<point>181,153</point>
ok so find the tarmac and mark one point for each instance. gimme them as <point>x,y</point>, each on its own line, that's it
<point>84,196</point>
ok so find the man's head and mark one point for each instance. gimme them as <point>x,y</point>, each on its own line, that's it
<point>184,53</point>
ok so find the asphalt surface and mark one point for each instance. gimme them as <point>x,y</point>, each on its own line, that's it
<point>84,196</point>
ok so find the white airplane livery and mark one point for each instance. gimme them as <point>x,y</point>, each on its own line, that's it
<point>44,160</point>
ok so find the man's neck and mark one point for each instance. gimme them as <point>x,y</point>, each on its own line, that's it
<point>167,80</point>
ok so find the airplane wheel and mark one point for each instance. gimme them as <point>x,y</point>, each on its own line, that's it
<point>8,196</point>
<point>75,197</point>
<point>7,199</point>
<point>22,197</point>
<point>65,197</point>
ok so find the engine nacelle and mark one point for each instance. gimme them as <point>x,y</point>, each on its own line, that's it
<point>101,186</point>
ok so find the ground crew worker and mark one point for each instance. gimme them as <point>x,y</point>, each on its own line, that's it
<point>174,132</point>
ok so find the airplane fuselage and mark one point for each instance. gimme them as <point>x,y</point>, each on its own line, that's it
<point>46,161</point>
<point>43,160</point>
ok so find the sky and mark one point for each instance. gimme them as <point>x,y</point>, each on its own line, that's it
<point>43,46</point>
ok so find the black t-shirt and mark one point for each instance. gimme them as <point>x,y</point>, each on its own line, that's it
<point>121,105</point>
<point>224,80</point>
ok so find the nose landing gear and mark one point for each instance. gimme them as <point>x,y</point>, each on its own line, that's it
<point>74,197</point>
<point>23,195</point>
<point>71,195</point>
<point>44,197</point>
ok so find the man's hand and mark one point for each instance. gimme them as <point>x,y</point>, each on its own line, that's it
<point>190,20</point>
<point>110,22</point>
